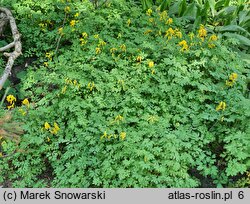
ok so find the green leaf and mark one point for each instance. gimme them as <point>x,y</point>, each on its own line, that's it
<point>212,6</point>
<point>232,28</point>
<point>191,10</point>
<point>243,40</point>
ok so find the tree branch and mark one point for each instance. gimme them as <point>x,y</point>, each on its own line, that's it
<point>16,44</point>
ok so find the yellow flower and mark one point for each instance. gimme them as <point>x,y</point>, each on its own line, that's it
<point>119,118</point>
<point>233,76</point>
<point>153,71</point>
<point>202,32</point>
<point>97,50</point>
<point>163,16</point>
<point>46,125</point>
<point>83,41</point>
<point>151,64</point>
<point>67,9</point>
<point>96,36</point>
<point>84,35</point>
<point>139,59</point>
<point>60,31</point>
<point>11,106</point>
<point>104,135</point>
<point>149,12</point>
<point>221,106</point>
<point>213,38</point>
<point>76,15</point>
<point>128,22</point>
<point>169,21</point>
<point>42,25</point>
<point>147,32</point>
<point>123,47</point>
<point>229,83</point>
<point>169,33</point>
<point>112,50</point>
<point>72,23</point>
<point>178,33</point>
<point>49,55</point>
<point>184,45</point>
<point>26,102</point>
<point>55,128</point>
<point>123,135</point>
<point>101,43</point>
<point>46,64</point>
<point>11,99</point>
<point>232,79</point>
<point>91,86</point>
<point>48,139</point>
<point>211,45</point>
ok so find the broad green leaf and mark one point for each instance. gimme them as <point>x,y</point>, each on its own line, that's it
<point>212,6</point>
<point>243,40</point>
<point>191,10</point>
<point>232,28</point>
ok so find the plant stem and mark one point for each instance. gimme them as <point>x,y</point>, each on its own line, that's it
<point>4,96</point>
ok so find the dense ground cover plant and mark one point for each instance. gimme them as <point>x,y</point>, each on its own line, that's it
<point>120,97</point>
<point>229,18</point>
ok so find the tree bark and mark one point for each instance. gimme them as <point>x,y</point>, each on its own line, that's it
<point>5,17</point>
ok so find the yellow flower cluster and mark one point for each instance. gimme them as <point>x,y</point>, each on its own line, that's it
<point>147,32</point>
<point>60,31</point>
<point>91,86</point>
<point>202,32</point>
<point>151,64</point>
<point>97,50</point>
<point>139,59</point>
<point>232,79</point>
<point>123,47</point>
<point>49,55</point>
<point>70,82</point>
<point>83,39</point>
<point>169,21</point>
<point>221,106</point>
<point>122,136</point>
<point>43,26</point>
<point>67,9</point>
<point>76,15</point>
<point>170,33</point>
<point>113,50</point>
<point>118,119</point>
<point>163,16</point>
<point>101,43</point>
<point>11,100</point>
<point>178,33</point>
<point>53,130</point>
<point>96,36</point>
<point>212,38</point>
<point>26,103</point>
<point>149,12</point>
<point>72,23</point>
<point>184,45</point>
